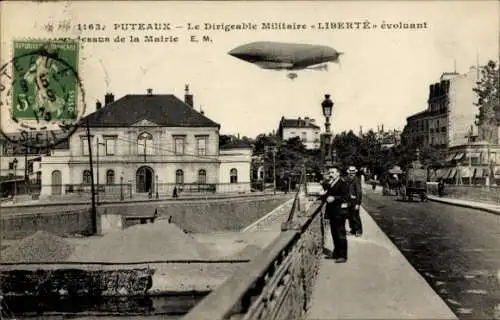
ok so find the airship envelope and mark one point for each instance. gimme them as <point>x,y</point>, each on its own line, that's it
<point>282,55</point>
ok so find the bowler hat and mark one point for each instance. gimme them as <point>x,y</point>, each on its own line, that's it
<point>352,169</point>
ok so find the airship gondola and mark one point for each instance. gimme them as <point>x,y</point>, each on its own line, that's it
<point>286,56</point>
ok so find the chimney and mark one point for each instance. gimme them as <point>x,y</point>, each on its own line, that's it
<point>188,98</point>
<point>201,111</point>
<point>150,92</point>
<point>307,121</point>
<point>299,122</point>
<point>109,98</point>
<point>98,105</point>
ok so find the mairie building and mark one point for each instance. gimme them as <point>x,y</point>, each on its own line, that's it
<point>147,144</point>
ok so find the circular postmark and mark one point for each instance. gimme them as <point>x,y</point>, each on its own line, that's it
<point>41,95</point>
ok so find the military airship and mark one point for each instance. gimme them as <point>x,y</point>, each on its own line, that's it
<point>286,56</point>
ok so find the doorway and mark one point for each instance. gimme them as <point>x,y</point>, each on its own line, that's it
<point>144,180</point>
<point>56,183</point>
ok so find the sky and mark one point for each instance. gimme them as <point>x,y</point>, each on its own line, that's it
<point>383,75</point>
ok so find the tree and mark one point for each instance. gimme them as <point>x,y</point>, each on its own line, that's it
<point>488,100</point>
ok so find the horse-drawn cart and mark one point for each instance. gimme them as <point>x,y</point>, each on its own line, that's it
<point>414,184</point>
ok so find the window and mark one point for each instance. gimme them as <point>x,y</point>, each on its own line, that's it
<point>202,176</point>
<point>85,146</point>
<point>443,129</point>
<point>110,177</point>
<point>87,179</point>
<point>179,177</point>
<point>145,144</point>
<point>201,146</point>
<point>179,145</point>
<point>233,175</point>
<point>110,143</point>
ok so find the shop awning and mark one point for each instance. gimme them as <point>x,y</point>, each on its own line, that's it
<point>458,156</point>
<point>450,157</point>
<point>479,173</point>
<point>451,173</point>
<point>440,172</point>
<point>466,172</point>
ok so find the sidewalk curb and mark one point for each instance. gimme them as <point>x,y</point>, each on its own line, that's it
<point>463,205</point>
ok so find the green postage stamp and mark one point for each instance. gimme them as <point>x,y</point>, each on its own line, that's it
<point>45,82</point>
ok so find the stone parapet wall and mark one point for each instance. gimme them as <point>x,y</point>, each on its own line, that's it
<point>75,282</point>
<point>197,216</point>
<point>472,193</point>
<point>60,223</point>
<point>278,283</point>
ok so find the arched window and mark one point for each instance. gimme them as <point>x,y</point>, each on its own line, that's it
<point>233,174</point>
<point>110,177</point>
<point>87,179</point>
<point>202,176</point>
<point>145,144</point>
<point>179,177</point>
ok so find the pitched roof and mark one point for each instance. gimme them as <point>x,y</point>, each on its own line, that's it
<point>297,123</point>
<point>166,110</point>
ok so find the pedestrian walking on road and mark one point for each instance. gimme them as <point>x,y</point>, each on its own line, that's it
<point>355,197</point>
<point>336,196</point>
<point>441,187</point>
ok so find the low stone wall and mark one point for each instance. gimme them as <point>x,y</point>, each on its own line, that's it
<point>61,223</point>
<point>75,282</point>
<point>473,193</point>
<point>207,216</point>
<point>278,283</point>
<point>198,216</point>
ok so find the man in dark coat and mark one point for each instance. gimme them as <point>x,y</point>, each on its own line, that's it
<point>355,197</point>
<point>336,196</point>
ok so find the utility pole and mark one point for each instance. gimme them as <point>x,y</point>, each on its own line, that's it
<point>274,150</point>
<point>274,168</point>
<point>94,210</point>
<point>97,169</point>
<point>97,165</point>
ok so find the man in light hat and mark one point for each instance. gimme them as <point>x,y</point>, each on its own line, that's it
<point>355,197</point>
<point>335,195</point>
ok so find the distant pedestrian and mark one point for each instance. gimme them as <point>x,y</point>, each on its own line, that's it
<point>175,195</point>
<point>335,194</point>
<point>441,187</point>
<point>355,197</point>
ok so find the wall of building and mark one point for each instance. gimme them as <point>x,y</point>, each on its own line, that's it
<point>438,130</point>
<point>127,158</point>
<point>311,135</point>
<point>239,159</point>
<point>462,111</point>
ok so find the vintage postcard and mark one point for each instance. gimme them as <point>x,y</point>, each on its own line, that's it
<point>250,159</point>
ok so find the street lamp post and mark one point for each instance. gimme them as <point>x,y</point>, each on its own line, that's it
<point>14,166</point>
<point>157,196</point>
<point>327,107</point>
<point>121,188</point>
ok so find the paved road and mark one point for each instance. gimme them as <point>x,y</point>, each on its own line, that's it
<point>457,250</point>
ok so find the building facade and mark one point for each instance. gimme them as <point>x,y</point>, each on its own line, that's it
<point>448,125</point>
<point>306,129</point>
<point>449,115</point>
<point>151,143</point>
<point>20,170</point>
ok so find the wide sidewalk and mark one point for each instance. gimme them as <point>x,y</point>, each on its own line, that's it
<point>377,282</point>
<point>488,207</point>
